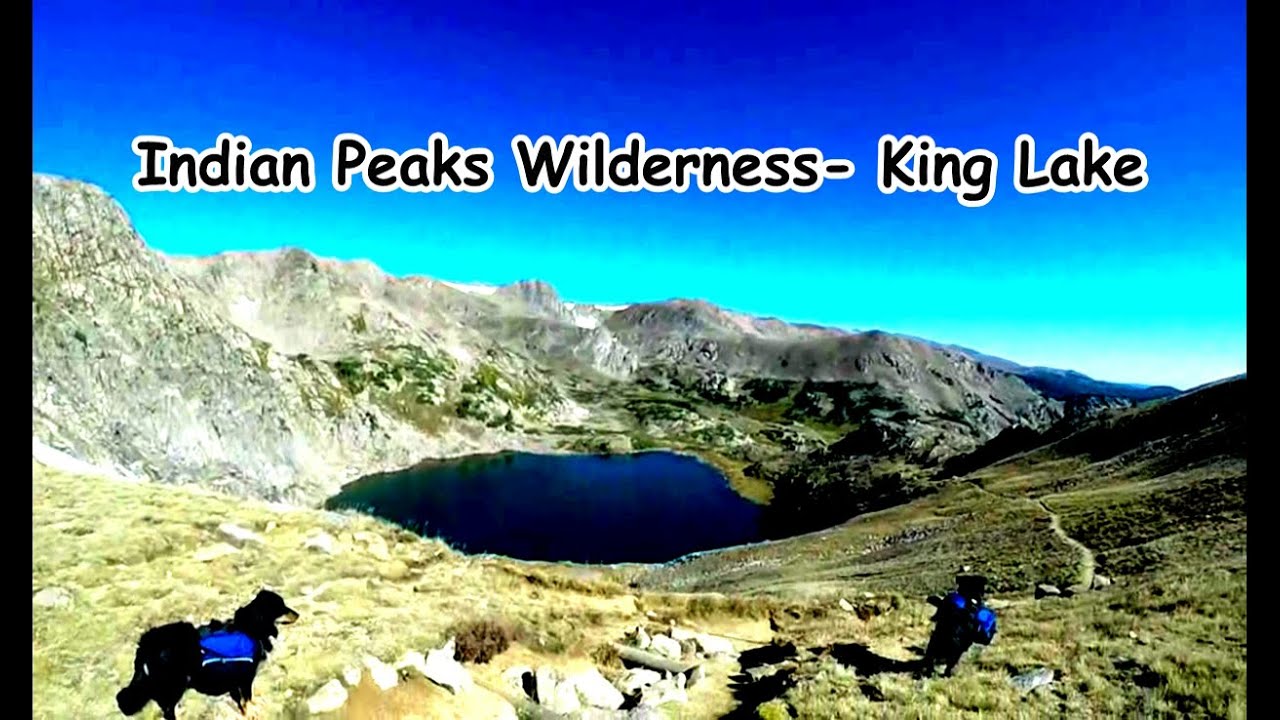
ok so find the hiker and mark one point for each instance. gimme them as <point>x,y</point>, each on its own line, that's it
<point>960,621</point>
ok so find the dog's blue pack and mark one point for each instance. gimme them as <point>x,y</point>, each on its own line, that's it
<point>957,600</point>
<point>226,646</point>
<point>985,625</point>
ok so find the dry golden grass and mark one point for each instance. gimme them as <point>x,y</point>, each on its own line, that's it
<point>1168,640</point>
<point>125,552</point>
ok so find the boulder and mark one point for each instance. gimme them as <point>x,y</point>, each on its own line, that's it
<point>632,681</point>
<point>665,646</point>
<point>1046,590</point>
<point>382,674</point>
<point>329,698</point>
<point>519,680</point>
<point>443,669</point>
<point>667,690</point>
<point>711,645</point>
<point>595,691</point>
<point>52,597</point>
<point>322,541</point>
<point>239,535</point>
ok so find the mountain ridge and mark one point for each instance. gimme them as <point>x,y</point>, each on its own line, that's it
<point>282,375</point>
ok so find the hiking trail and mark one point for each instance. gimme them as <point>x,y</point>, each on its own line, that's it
<point>1088,563</point>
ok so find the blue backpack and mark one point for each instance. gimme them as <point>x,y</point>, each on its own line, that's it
<point>984,619</point>
<point>984,626</point>
<point>227,646</point>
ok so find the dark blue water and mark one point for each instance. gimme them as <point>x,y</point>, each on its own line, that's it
<point>642,508</point>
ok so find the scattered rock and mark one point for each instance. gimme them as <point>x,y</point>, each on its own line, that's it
<point>545,680</point>
<point>696,675</point>
<point>667,690</point>
<point>412,659</point>
<point>1047,590</point>
<point>328,698</point>
<point>711,645</point>
<point>595,691</point>
<point>638,679</point>
<point>444,670</point>
<point>688,647</point>
<point>393,570</point>
<point>239,535</point>
<point>520,680</point>
<point>680,634</point>
<point>1029,681</point>
<point>271,525</point>
<point>352,676</point>
<point>564,699</point>
<point>383,675</point>
<point>845,606</point>
<point>665,646</point>
<point>52,597</point>
<point>1101,581</point>
<point>213,552</point>
<point>374,543</point>
<point>322,541</point>
<point>638,638</point>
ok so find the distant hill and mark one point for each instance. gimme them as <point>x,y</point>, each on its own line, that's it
<point>1063,384</point>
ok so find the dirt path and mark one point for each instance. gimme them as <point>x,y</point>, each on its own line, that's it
<point>1088,564</point>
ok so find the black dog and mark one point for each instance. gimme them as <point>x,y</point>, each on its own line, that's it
<point>953,629</point>
<point>177,657</point>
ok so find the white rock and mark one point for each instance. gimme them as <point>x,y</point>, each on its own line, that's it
<point>711,645</point>
<point>374,543</point>
<point>594,690</point>
<point>513,679</point>
<point>643,641</point>
<point>322,541</point>
<point>442,669</point>
<point>665,646</point>
<point>564,700</point>
<point>239,534</point>
<point>213,552</point>
<point>545,681</point>
<point>52,597</point>
<point>665,691</point>
<point>637,679</point>
<point>696,675</point>
<point>328,698</point>
<point>845,606</point>
<point>680,634</point>
<point>352,676</point>
<point>412,660</point>
<point>383,675</point>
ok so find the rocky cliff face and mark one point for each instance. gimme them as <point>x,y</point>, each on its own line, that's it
<point>135,364</point>
<point>281,375</point>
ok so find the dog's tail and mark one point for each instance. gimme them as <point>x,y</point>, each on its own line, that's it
<point>132,699</point>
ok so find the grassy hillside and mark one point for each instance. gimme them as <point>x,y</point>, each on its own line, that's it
<point>1151,499</point>
<point>126,557</point>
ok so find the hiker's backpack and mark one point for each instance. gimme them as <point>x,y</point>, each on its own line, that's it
<point>227,646</point>
<point>984,625</point>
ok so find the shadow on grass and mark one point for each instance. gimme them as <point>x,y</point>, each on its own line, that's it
<point>769,672</point>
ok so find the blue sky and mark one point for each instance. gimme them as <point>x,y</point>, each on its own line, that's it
<point>1146,287</point>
